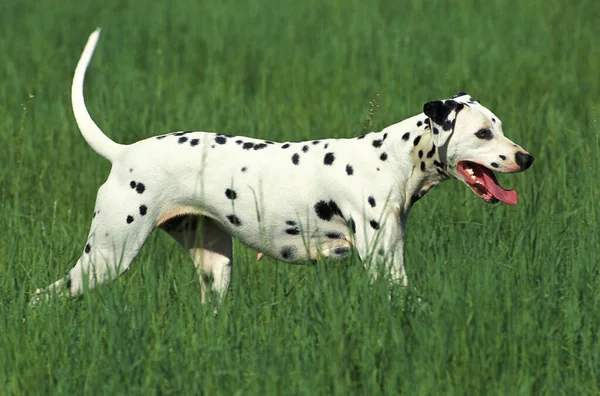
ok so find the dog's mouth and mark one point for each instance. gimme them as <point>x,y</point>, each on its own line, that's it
<point>483,183</point>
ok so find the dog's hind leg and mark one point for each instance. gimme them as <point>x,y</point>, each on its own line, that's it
<point>208,246</point>
<point>121,224</point>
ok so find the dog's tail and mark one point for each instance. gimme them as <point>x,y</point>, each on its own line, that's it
<point>101,143</point>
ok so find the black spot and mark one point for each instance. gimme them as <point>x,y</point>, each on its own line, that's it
<point>285,146</point>
<point>129,219</point>
<point>233,219</point>
<point>377,169</point>
<point>248,145</point>
<point>459,94</point>
<point>69,282</point>
<point>143,210</point>
<point>296,159</point>
<point>493,120</point>
<point>383,156</point>
<point>334,235</point>
<point>290,222</point>
<point>352,225</point>
<point>360,137</point>
<point>419,123</point>
<point>87,249</point>
<point>212,146</point>
<point>385,136</point>
<point>436,131</point>
<point>292,231</point>
<point>161,137</point>
<point>349,170</point>
<point>260,146</point>
<point>495,165</point>
<point>406,136</point>
<point>194,142</point>
<point>220,139</point>
<point>132,184</point>
<point>371,201</point>
<point>377,143</point>
<point>448,125</point>
<point>341,251</point>
<point>326,210</point>
<point>182,140</point>
<point>326,145</point>
<point>288,252</point>
<point>94,215</point>
<point>502,157</point>
<point>181,133</point>
<point>305,148</point>
<point>417,140</point>
<point>130,170</point>
<point>438,164</point>
<point>374,224</point>
<point>244,169</point>
<point>316,141</point>
<point>140,188</point>
<point>239,141</point>
<point>328,159</point>
<point>269,142</point>
<point>230,194</point>
<point>420,153</point>
<point>422,166</point>
<point>431,152</point>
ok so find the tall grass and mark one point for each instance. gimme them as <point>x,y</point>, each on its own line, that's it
<point>509,300</point>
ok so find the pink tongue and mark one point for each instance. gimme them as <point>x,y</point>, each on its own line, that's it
<point>507,196</point>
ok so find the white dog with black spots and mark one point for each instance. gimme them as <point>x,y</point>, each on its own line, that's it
<point>293,201</point>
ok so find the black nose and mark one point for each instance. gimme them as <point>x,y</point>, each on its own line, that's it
<point>523,160</point>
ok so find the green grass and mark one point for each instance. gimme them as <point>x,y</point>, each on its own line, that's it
<point>510,300</point>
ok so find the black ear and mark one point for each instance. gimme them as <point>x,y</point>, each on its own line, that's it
<point>438,111</point>
<point>435,110</point>
<point>442,115</point>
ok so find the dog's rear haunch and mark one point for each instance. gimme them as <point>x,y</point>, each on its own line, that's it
<point>293,201</point>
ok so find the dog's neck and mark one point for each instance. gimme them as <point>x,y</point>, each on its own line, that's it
<point>422,164</point>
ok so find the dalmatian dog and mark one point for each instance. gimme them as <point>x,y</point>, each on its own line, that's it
<point>293,201</point>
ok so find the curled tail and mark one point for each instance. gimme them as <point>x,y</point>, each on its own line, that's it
<point>97,140</point>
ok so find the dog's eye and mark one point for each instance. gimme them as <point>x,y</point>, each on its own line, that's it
<point>484,133</point>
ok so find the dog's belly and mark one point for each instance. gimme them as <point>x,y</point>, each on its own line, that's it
<point>295,242</point>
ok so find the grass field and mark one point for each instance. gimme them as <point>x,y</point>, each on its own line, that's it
<point>510,295</point>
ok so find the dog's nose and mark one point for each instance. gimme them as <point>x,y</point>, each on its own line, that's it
<point>523,160</point>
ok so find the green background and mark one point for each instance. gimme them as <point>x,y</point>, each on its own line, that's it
<point>510,300</point>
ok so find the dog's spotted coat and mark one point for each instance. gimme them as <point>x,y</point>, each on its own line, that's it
<point>294,201</point>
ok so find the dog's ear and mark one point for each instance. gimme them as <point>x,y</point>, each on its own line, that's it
<point>442,118</point>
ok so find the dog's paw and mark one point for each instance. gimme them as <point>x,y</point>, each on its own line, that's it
<point>36,299</point>
<point>44,296</point>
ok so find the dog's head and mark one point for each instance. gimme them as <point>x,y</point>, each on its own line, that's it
<point>474,146</point>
